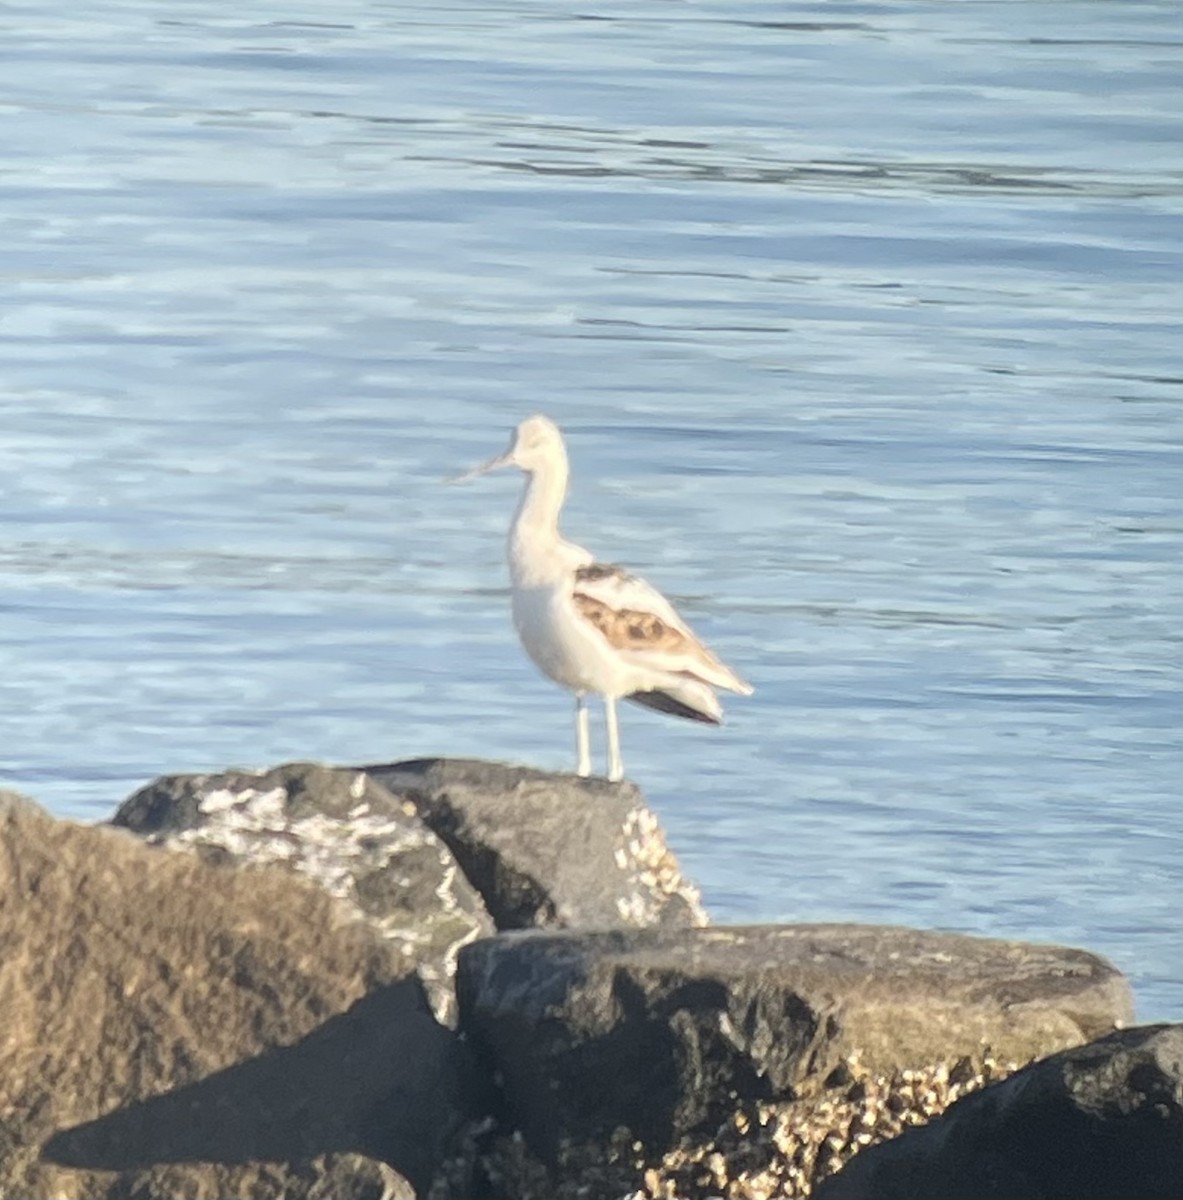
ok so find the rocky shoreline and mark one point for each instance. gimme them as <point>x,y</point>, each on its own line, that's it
<point>458,980</point>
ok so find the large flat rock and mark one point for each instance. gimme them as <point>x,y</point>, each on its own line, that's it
<point>548,850</point>
<point>665,1032</point>
<point>173,1027</point>
<point>338,828</point>
<point>1097,1122</point>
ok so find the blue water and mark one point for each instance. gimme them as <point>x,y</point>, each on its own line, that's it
<point>862,319</point>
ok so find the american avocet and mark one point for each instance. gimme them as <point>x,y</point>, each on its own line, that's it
<point>593,627</point>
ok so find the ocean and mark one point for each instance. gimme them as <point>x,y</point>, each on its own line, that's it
<point>863,324</point>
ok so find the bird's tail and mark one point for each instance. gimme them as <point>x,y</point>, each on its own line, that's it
<point>719,674</point>
<point>683,698</point>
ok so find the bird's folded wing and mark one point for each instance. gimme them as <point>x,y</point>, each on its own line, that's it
<point>640,622</point>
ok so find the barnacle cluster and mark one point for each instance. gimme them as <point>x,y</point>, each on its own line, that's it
<point>783,1149</point>
<point>654,874</point>
<point>776,1150</point>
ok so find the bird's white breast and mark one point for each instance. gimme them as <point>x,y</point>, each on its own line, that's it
<point>557,639</point>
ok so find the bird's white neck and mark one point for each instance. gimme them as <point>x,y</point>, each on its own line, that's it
<point>534,539</point>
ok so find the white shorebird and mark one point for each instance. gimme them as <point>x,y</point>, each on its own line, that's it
<point>593,627</point>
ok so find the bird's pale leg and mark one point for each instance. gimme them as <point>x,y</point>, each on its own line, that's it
<point>615,766</point>
<point>582,748</point>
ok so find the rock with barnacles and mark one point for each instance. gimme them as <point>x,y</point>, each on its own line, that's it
<point>339,828</point>
<point>176,1028</point>
<point>776,1148</point>
<point>549,850</point>
<point>1097,1122</point>
<point>666,1034</point>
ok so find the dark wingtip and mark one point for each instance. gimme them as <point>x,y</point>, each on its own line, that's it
<point>664,702</point>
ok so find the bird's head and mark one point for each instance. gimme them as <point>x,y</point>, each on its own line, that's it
<point>536,443</point>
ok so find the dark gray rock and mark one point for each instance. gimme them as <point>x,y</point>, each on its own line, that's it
<point>172,1027</point>
<point>665,1032</point>
<point>1097,1122</point>
<point>339,828</point>
<point>549,850</point>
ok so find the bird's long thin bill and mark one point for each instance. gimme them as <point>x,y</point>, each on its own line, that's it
<point>502,460</point>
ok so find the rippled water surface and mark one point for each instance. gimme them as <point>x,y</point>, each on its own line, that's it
<point>863,323</point>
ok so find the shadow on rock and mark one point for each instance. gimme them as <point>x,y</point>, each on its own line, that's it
<point>367,1081</point>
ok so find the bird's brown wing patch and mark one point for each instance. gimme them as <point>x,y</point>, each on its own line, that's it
<point>630,629</point>
<point>597,572</point>
<point>636,618</point>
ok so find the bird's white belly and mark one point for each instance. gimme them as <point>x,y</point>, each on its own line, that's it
<point>562,645</point>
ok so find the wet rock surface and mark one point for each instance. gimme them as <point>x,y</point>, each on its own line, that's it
<point>549,850</point>
<point>1097,1122</point>
<point>178,1028</point>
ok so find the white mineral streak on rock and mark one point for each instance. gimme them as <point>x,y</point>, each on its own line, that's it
<point>446,970</point>
<point>446,892</point>
<point>222,799</point>
<point>268,806</point>
<point>254,826</point>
